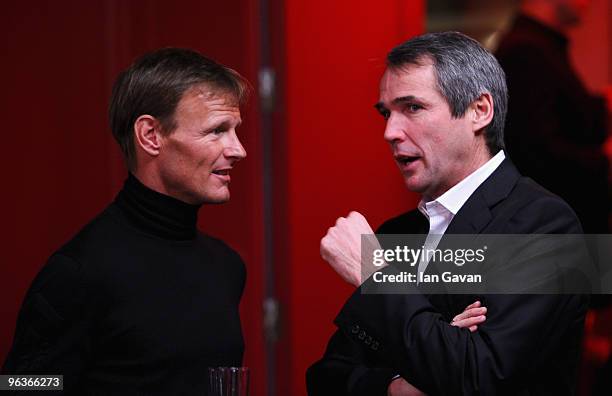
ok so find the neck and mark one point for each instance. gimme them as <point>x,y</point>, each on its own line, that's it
<point>479,156</point>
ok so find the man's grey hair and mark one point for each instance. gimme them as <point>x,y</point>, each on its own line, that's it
<point>464,71</point>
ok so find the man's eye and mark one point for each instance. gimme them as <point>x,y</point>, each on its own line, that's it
<point>385,114</point>
<point>218,131</point>
<point>413,107</point>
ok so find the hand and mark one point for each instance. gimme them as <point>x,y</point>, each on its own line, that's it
<point>400,387</point>
<point>341,248</point>
<point>471,317</point>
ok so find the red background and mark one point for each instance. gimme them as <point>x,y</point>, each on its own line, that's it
<point>337,159</point>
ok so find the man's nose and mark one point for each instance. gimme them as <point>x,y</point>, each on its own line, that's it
<point>234,148</point>
<point>394,130</point>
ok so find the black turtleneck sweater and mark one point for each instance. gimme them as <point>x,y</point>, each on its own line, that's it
<point>555,129</point>
<point>137,303</point>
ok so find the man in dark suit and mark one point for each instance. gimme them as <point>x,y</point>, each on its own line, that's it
<point>444,101</point>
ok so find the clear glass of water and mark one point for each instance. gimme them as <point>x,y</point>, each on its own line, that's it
<point>228,381</point>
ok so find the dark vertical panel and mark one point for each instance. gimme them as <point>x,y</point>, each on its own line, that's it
<point>280,348</point>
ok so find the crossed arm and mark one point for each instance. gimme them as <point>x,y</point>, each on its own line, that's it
<point>514,348</point>
<point>364,380</point>
<point>473,315</point>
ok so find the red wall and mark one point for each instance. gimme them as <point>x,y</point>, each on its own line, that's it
<point>337,160</point>
<point>60,165</point>
<point>57,158</point>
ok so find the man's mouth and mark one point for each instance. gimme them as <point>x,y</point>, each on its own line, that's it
<point>405,160</point>
<point>222,174</point>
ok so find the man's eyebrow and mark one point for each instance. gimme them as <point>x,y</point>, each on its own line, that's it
<point>224,122</point>
<point>380,106</point>
<point>404,99</point>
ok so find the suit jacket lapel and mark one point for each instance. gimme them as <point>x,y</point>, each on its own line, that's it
<point>475,214</point>
<point>472,218</point>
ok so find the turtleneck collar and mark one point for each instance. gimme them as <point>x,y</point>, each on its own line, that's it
<point>156,213</point>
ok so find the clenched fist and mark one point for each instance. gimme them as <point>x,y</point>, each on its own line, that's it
<point>341,248</point>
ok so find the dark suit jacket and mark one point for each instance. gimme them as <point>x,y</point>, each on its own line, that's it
<point>529,344</point>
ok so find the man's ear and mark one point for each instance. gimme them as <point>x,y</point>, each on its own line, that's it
<point>147,131</point>
<point>482,111</point>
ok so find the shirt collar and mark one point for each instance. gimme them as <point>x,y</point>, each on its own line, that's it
<point>453,199</point>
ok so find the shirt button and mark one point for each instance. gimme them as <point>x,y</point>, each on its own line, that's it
<point>355,329</point>
<point>368,340</point>
<point>362,335</point>
<point>375,346</point>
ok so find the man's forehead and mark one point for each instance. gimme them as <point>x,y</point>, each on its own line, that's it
<point>213,95</point>
<point>420,68</point>
<point>405,80</point>
<point>210,104</point>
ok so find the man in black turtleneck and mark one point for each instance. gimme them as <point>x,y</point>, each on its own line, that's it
<point>139,301</point>
<point>556,129</point>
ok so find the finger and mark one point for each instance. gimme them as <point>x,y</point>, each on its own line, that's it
<point>355,214</point>
<point>473,305</point>
<point>325,246</point>
<point>471,312</point>
<point>473,328</point>
<point>466,323</point>
<point>330,230</point>
<point>358,218</point>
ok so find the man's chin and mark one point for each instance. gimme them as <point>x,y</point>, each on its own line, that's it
<point>414,186</point>
<point>217,199</point>
<point>216,202</point>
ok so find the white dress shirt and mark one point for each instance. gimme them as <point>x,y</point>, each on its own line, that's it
<point>441,211</point>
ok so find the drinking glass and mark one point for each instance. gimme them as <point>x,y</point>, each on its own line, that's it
<point>228,381</point>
